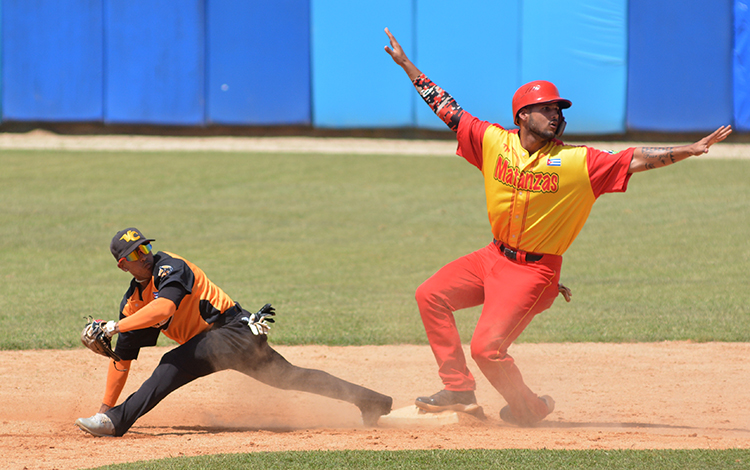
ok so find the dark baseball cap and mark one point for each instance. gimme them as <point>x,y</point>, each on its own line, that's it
<point>125,241</point>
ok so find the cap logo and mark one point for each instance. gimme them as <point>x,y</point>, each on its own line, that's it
<point>131,236</point>
<point>532,89</point>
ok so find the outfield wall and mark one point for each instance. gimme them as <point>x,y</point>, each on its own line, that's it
<point>680,70</point>
<point>674,66</point>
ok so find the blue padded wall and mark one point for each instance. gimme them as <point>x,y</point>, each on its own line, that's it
<point>258,62</point>
<point>355,83</point>
<point>672,66</point>
<point>52,60</point>
<point>742,65</point>
<point>680,65</point>
<point>580,46</point>
<point>154,72</point>
<point>474,56</point>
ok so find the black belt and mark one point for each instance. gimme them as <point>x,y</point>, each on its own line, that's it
<point>517,255</point>
<point>219,320</point>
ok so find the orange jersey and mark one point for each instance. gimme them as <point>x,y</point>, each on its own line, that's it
<point>201,306</point>
<point>539,203</point>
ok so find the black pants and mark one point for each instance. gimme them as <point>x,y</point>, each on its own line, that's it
<point>231,346</point>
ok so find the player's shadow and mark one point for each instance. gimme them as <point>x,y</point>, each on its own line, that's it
<point>197,430</point>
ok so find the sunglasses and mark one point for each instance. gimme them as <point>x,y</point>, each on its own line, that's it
<point>138,253</point>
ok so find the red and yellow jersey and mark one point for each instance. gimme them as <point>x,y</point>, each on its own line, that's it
<point>539,203</point>
<point>201,305</point>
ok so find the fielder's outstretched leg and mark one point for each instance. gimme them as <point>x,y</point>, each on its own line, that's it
<point>165,379</point>
<point>233,346</point>
<point>273,369</point>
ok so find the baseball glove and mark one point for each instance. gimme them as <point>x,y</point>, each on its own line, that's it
<point>94,338</point>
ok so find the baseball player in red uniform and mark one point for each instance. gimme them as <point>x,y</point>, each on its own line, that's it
<point>171,295</point>
<point>539,194</point>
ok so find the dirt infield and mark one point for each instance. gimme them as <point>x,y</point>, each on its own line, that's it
<point>671,395</point>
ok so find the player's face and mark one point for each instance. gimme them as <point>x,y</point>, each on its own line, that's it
<point>140,263</point>
<point>543,119</point>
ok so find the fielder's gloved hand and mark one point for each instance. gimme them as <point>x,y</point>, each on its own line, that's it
<point>109,328</point>
<point>259,321</point>
<point>95,337</point>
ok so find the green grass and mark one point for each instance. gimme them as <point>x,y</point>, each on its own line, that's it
<point>511,459</point>
<point>339,244</point>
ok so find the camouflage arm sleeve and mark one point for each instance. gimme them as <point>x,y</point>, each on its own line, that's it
<point>440,101</point>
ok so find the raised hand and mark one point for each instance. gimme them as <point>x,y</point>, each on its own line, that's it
<point>399,56</point>
<point>395,51</point>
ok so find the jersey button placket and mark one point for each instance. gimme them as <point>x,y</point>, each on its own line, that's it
<point>516,219</point>
<point>517,208</point>
<point>521,201</point>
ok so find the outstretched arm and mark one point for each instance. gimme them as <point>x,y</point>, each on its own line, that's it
<point>438,99</point>
<point>152,314</point>
<point>648,158</point>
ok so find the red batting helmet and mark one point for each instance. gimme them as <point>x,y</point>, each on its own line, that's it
<point>538,91</point>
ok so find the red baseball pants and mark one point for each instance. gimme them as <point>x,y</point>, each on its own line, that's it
<point>512,294</point>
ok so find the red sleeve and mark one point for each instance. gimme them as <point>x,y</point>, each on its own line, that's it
<point>470,134</point>
<point>609,172</point>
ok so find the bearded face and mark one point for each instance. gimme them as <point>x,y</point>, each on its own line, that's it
<point>541,120</point>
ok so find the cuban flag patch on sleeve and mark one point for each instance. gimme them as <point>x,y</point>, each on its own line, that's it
<point>554,162</point>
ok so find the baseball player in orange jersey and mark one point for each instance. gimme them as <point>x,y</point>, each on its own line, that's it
<point>539,194</point>
<point>171,295</point>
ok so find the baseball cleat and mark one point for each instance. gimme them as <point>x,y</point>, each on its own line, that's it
<point>508,416</point>
<point>98,425</point>
<point>448,400</point>
<point>372,409</point>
